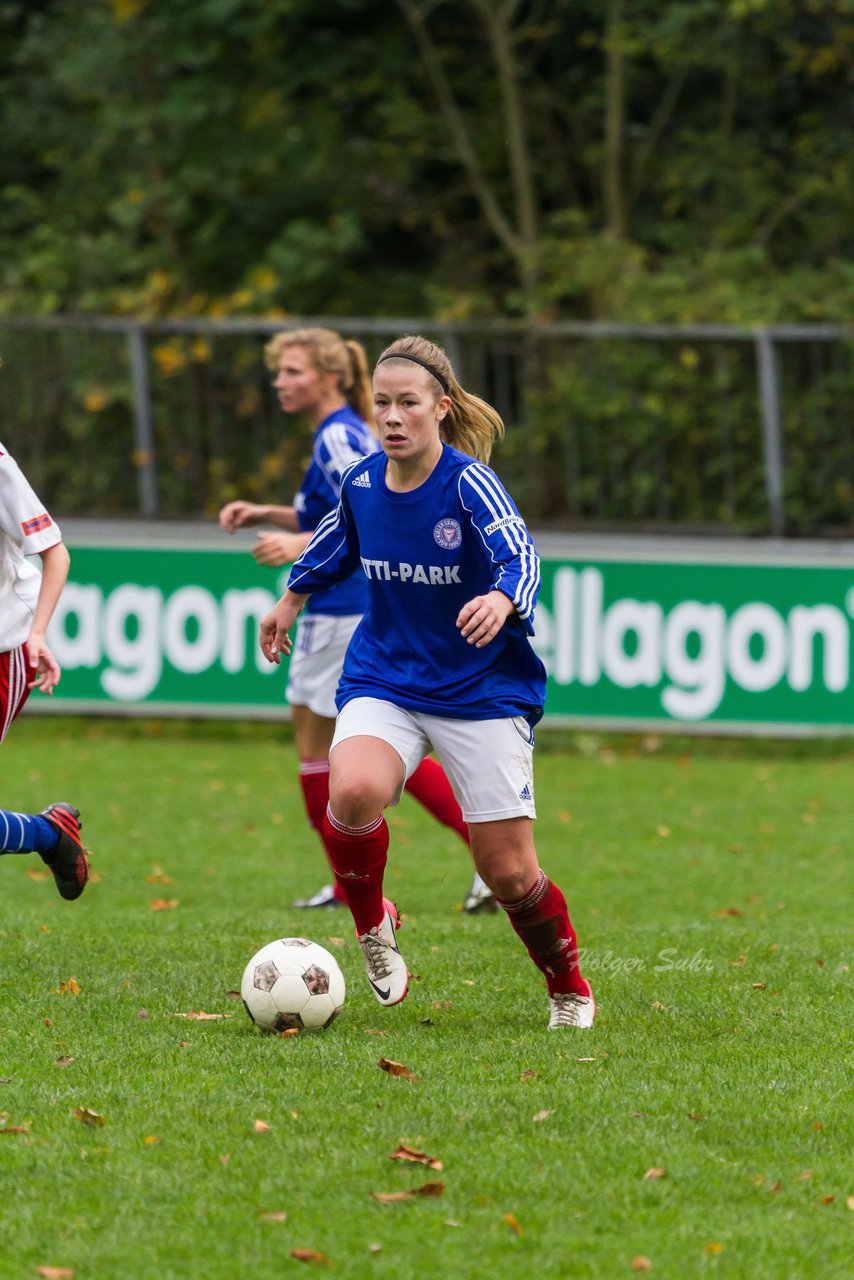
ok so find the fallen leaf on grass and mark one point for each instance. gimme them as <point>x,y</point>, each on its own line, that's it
<point>695,1115</point>
<point>69,988</point>
<point>225,1158</point>
<point>827,1199</point>
<point>585,1059</point>
<point>158,876</point>
<point>261,1126</point>
<point>641,1263</point>
<point>528,1075</point>
<point>278,1215</point>
<point>713,1249</point>
<point>375,1247</point>
<point>543,1115</point>
<point>739,963</point>
<point>759,986</point>
<point>15,1128</point>
<point>729,911</point>
<point>375,1031</point>
<point>513,1224</point>
<point>288,1032</point>
<point>308,1255</point>
<point>162,904</point>
<point>850,1203</point>
<point>232,995</point>
<point>199,1015</point>
<point>88,1116</point>
<point>807,1173</point>
<point>336,942</point>
<point>416,1157</point>
<point>151,1139</point>
<point>397,1069</point>
<point>64,1062</point>
<point>55,1273</point>
<point>655,1172</point>
<point>391,1197</point>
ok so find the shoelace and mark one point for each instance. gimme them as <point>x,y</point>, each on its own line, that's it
<point>375,952</point>
<point>566,1009</point>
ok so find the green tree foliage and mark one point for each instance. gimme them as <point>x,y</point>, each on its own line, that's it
<point>659,159</point>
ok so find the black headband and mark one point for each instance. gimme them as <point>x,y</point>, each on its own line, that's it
<point>403,355</point>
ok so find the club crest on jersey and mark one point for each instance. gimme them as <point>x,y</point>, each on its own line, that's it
<point>448,533</point>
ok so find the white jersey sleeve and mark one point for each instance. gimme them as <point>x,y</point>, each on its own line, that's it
<point>26,529</point>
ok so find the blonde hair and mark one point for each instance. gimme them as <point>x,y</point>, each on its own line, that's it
<point>330,353</point>
<point>470,425</point>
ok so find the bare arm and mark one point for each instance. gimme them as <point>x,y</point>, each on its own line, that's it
<point>55,561</point>
<point>244,515</point>
<point>279,548</point>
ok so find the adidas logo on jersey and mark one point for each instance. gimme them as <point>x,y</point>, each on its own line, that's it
<point>362,481</point>
<point>525,793</point>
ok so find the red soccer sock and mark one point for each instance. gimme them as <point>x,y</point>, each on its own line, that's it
<point>430,787</point>
<point>314,780</point>
<point>542,922</point>
<point>358,857</point>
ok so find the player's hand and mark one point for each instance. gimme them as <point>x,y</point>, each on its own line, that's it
<point>274,638</point>
<point>47,668</point>
<point>277,548</point>
<point>483,617</point>
<point>240,515</point>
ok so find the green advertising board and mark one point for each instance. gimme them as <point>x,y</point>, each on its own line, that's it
<point>628,643</point>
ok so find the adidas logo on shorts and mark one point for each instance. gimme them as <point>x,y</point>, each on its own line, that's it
<point>362,481</point>
<point>525,793</point>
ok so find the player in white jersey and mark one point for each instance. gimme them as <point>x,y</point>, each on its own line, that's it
<point>442,659</point>
<point>27,601</point>
<point>324,379</point>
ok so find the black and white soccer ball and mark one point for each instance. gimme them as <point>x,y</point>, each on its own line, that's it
<point>292,984</point>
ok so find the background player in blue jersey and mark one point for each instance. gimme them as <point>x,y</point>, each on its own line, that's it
<point>324,379</point>
<point>442,659</point>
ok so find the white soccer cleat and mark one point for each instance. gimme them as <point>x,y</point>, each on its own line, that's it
<point>479,897</point>
<point>572,1010</point>
<point>385,966</point>
<point>324,897</point>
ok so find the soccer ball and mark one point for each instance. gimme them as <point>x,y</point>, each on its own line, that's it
<point>292,984</point>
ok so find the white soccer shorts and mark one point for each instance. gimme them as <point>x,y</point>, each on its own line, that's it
<point>316,660</point>
<point>489,763</point>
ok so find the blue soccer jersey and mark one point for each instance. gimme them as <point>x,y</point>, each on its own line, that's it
<point>340,440</point>
<point>424,554</point>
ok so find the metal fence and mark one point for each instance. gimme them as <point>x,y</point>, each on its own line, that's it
<point>705,428</point>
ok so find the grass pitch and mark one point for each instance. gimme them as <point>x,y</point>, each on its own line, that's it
<point>703,1127</point>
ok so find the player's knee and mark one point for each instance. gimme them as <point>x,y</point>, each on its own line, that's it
<point>356,799</point>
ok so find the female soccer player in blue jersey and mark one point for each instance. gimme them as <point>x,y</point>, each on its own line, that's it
<point>441,660</point>
<point>324,379</point>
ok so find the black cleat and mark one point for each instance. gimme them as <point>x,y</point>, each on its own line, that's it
<point>68,861</point>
